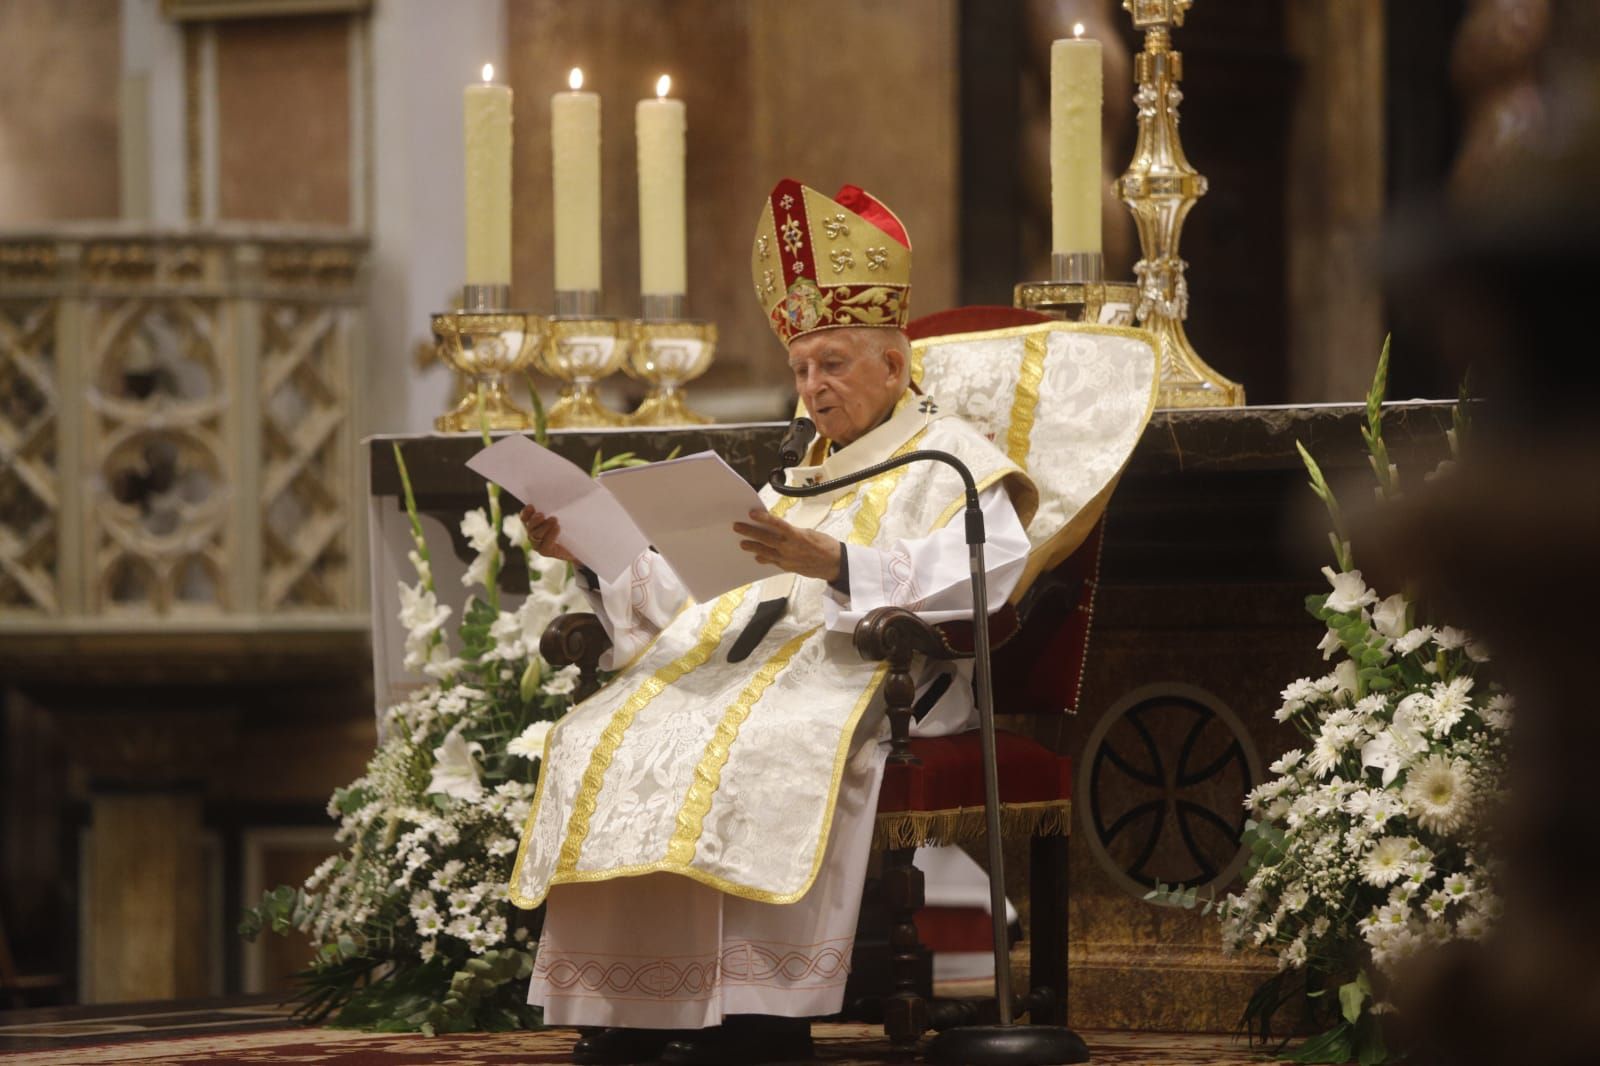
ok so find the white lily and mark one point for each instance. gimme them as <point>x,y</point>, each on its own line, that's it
<point>455,771</point>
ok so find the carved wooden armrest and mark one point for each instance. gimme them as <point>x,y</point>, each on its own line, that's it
<point>576,639</point>
<point>894,635</point>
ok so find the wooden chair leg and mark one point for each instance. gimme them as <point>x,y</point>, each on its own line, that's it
<point>1047,945</point>
<point>905,1011</point>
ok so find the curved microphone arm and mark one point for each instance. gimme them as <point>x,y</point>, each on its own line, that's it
<point>975,534</point>
<point>981,676</point>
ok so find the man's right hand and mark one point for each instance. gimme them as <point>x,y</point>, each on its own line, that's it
<point>544,534</point>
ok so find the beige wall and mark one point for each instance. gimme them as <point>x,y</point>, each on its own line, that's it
<point>829,91</point>
<point>283,120</point>
<point>60,67</point>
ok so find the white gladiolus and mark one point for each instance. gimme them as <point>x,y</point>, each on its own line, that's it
<point>1350,592</point>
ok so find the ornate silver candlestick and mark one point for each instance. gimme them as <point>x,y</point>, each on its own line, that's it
<point>1160,187</point>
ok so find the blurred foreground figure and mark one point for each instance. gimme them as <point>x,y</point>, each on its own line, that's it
<point>1510,545</point>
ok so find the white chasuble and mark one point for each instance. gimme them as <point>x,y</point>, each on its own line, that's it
<point>728,773</point>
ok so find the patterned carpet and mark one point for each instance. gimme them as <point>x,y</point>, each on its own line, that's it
<point>836,1044</point>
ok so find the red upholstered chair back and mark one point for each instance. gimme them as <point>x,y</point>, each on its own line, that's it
<point>971,319</point>
<point>1040,669</point>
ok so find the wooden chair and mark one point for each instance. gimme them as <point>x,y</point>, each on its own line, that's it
<point>933,791</point>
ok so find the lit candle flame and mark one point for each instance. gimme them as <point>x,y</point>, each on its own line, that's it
<point>1077,29</point>
<point>488,73</point>
<point>575,79</point>
<point>663,86</point>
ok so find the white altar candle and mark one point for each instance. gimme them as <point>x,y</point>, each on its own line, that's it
<point>661,125</point>
<point>1075,98</point>
<point>575,161</point>
<point>487,113</point>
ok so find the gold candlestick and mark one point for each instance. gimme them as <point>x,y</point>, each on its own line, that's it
<point>581,350</point>
<point>1160,187</point>
<point>485,342</point>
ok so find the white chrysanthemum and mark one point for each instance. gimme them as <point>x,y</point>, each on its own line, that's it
<point>1472,925</point>
<point>530,744</point>
<point>1389,617</point>
<point>1434,907</point>
<point>1369,706</point>
<point>1458,887</point>
<point>1350,592</point>
<point>1387,862</point>
<point>1294,956</point>
<point>1437,793</point>
<point>1287,761</point>
<point>446,875</point>
<point>427,949</point>
<point>1413,639</point>
<point>1324,756</point>
<point>1449,638</point>
<point>1451,701</point>
<point>500,846</point>
<point>562,682</point>
<point>1498,712</point>
<point>1295,697</point>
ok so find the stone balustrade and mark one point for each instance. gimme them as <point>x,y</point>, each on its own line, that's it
<point>179,413</point>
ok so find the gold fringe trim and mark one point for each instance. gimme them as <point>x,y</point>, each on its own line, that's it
<point>959,825</point>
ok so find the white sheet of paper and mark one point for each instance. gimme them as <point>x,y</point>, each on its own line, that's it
<point>594,527</point>
<point>686,507</point>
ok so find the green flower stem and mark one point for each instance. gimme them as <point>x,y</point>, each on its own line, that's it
<point>417,536</point>
<point>492,578</point>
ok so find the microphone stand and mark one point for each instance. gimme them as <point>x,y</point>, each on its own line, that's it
<point>1006,1044</point>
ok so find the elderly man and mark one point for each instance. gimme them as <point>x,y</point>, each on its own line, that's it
<point>702,826</point>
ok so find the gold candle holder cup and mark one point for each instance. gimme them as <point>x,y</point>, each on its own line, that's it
<point>668,354</point>
<point>486,345</point>
<point>581,351</point>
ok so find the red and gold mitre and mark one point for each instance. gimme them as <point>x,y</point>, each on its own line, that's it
<point>825,264</point>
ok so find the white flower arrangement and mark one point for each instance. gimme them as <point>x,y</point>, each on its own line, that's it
<point>1368,843</point>
<point>411,919</point>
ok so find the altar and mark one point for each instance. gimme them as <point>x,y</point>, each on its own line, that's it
<point>1212,543</point>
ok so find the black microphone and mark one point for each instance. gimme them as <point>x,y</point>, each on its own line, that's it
<point>802,431</point>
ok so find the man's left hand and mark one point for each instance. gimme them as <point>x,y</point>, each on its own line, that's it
<point>800,551</point>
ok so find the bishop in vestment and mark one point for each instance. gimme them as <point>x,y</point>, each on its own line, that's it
<point>700,834</point>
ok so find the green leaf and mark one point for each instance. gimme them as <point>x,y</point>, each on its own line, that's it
<point>541,421</point>
<point>1370,1047</point>
<point>1333,1046</point>
<point>1352,995</point>
<point>1319,485</point>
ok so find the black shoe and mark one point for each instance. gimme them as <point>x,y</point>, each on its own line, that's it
<point>743,1040</point>
<point>617,1047</point>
